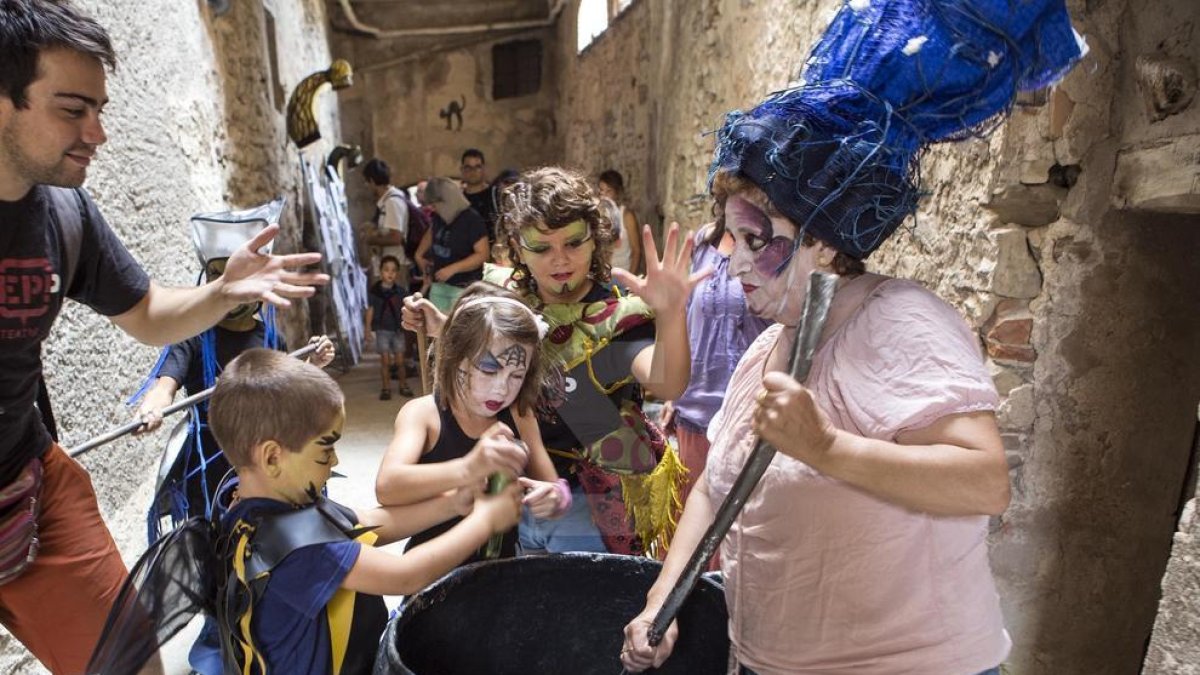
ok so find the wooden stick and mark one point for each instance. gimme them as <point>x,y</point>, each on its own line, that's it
<point>423,361</point>
<point>816,307</point>
<point>186,403</point>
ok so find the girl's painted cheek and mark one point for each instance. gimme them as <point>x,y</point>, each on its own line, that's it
<point>772,258</point>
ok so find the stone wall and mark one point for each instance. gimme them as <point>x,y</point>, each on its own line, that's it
<point>1068,240</point>
<point>396,113</point>
<point>192,126</point>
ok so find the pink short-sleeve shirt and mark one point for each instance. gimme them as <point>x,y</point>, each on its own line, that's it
<point>822,577</point>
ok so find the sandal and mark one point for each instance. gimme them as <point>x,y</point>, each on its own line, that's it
<point>405,391</point>
<point>385,395</point>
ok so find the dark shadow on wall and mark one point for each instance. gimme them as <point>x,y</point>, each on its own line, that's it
<point>1119,450</point>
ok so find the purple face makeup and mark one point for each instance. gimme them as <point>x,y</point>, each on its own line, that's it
<point>772,253</point>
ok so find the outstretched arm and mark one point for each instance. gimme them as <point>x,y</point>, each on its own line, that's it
<point>167,315</point>
<point>381,573</point>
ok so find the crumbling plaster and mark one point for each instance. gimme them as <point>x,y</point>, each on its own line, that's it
<point>1068,240</point>
<point>191,128</point>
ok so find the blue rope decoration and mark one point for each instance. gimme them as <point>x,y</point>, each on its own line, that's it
<point>151,378</point>
<point>839,155</point>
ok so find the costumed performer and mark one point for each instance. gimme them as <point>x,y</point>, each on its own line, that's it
<point>487,379</point>
<point>187,488</point>
<point>195,465</point>
<point>864,547</point>
<point>293,578</point>
<point>608,346</point>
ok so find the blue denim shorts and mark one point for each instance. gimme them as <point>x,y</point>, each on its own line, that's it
<point>388,342</point>
<point>575,531</point>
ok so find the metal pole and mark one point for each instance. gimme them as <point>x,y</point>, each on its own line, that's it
<point>169,410</point>
<point>816,308</point>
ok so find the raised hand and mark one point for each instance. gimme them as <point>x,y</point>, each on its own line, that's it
<point>251,276</point>
<point>668,282</point>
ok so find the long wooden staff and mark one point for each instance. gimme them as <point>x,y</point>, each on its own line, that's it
<point>423,361</point>
<point>188,402</point>
<point>816,308</point>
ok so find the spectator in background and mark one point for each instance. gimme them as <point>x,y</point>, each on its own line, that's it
<point>478,190</point>
<point>612,186</point>
<point>383,324</point>
<point>388,227</point>
<point>720,329</point>
<point>457,243</point>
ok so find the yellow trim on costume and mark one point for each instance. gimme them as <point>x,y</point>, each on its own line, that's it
<point>250,655</point>
<point>340,614</point>
<point>587,355</point>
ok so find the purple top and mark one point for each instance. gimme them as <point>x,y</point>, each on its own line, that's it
<point>720,329</point>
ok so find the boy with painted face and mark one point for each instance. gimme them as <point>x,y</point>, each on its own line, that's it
<point>480,419</point>
<point>279,420</point>
<point>610,346</point>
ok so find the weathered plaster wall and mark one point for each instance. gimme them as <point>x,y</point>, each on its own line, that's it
<point>191,128</point>
<point>394,114</point>
<point>1068,240</point>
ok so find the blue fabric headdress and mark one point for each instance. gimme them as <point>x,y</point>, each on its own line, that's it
<point>838,154</point>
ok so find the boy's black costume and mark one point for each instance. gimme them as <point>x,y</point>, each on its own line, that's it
<point>223,569</point>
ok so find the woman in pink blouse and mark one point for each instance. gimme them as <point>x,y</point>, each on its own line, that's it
<point>863,549</point>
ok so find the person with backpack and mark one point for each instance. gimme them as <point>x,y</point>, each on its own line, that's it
<point>386,233</point>
<point>60,569</point>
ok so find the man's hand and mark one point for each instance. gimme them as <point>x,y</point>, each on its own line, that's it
<point>251,276</point>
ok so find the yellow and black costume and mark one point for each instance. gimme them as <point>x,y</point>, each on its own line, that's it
<point>271,574</point>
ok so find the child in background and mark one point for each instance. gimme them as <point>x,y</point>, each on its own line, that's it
<point>278,421</point>
<point>487,378</point>
<point>383,322</point>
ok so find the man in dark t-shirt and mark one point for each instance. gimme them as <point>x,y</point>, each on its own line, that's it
<point>52,90</point>
<point>478,190</point>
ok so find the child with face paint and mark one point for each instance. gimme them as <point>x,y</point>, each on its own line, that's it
<point>480,419</point>
<point>278,421</point>
<point>863,547</point>
<point>610,345</point>
<point>194,364</point>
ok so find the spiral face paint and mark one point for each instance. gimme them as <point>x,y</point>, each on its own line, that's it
<point>559,259</point>
<point>493,382</point>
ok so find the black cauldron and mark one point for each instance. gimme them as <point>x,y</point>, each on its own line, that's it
<point>546,614</point>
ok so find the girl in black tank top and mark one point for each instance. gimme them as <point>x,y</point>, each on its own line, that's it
<point>454,443</point>
<point>480,420</point>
